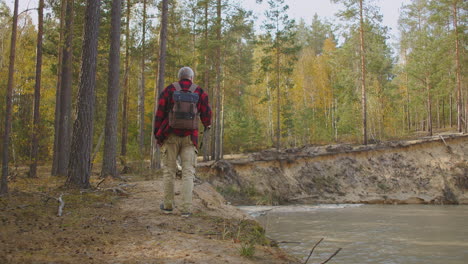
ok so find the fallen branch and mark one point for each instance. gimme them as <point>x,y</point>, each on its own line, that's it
<point>62,204</point>
<point>334,254</point>
<point>99,183</point>
<point>449,149</point>
<point>312,251</point>
<point>118,191</point>
<point>289,242</point>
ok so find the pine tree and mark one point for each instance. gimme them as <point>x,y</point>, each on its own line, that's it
<point>9,95</point>
<point>79,169</point>
<point>109,165</point>
<point>63,147</point>
<point>37,93</point>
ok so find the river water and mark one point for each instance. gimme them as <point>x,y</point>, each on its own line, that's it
<point>384,234</point>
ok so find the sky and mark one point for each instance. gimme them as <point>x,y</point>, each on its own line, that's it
<point>305,9</point>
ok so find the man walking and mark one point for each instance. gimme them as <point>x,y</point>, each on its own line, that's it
<point>180,106</point>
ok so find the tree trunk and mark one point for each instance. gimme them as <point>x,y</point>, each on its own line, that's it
<point>109,165</point>
<point>206,137</point>
<point>155,160</point>
<point>429,107</point>
<point>443,113</point>
<point>408,113</point>
<point>37,93</point>
<point>141,98</point>
<point>123,151</point>
<point>65,95</point>
<point>451,111</point>
<point>363,76</point>
<point>79,169</point>
<point>278,99</point>
<point>9,102</point>
<point>457,61</point>
<point>63,8</point>
<point>218,83</point>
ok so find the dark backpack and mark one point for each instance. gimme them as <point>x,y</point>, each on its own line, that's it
<point>184,112</point>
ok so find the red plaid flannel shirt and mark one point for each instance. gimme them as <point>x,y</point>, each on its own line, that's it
<point>165,104</point>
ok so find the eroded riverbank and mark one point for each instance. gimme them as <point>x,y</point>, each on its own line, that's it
<point>426,171</point>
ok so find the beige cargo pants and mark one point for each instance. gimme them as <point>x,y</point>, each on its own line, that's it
<point>172,147</point>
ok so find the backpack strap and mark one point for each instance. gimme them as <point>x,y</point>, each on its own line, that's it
<point>193,87</point>
<point>177,86</point>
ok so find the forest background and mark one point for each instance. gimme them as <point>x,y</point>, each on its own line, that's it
<point>291,84</point>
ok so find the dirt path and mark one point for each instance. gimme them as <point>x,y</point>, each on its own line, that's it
<point>198,239</point>
<point>128,227</point>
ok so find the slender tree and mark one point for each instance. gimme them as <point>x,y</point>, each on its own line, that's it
<point>109,166</point>
<point>37,92</point>
<point>457,63</point>
<point>279,53</point>
<point>206,77</point>
<point>124,132</point>
<point>63,7</point>
<point>9,95</point>
<point>363,75</point>
<point>155,162</point>
<point>218,138</point>
<point>141,97</point>
<point>65,94</point>
<point>79,169</point>
<point>354,7</point>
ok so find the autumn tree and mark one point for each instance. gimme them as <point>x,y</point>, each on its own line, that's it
<point>354,9</point>
<point>279,55</point>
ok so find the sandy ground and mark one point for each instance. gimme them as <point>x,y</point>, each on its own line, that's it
<point>121,223</point>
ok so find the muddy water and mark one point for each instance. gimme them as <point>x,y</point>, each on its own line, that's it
<point>406,234</point>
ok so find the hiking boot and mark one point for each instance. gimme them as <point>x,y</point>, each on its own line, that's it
<point>186,214</point>
<point>166,211</point>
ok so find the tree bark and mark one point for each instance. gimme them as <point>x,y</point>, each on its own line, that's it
<point>451,111</point>
<point>37,93</point>
<point>65,95</point>
<point>206,138</point>
<point>218,83</point>
<point>141,98</point>
<point>109,165</point>
<point>429,107</point>
<point>79,169</point>
<point>9,103</point>
<point>443,113</point>
<point>124,132</point>
<point>155,161</point>
<point>457,61</point>
<point>363,75</point>
<point>63,8</point>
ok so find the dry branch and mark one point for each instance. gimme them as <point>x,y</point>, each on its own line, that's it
<point>312,250</point>
<point>99,183</point>
<point>449,149</point>
<point>334,254</point>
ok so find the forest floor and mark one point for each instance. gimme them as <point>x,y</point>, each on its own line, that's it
<point>120,222</point>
